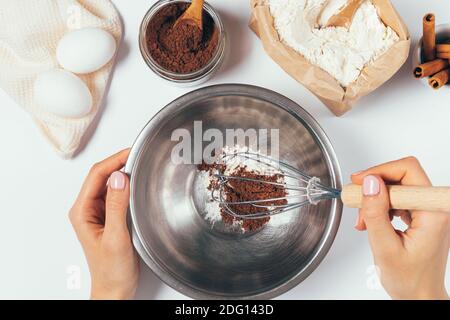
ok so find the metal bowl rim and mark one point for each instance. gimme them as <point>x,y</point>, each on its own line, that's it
<point>287,105</point>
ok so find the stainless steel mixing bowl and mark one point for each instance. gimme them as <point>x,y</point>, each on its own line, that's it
<point>204,262</point>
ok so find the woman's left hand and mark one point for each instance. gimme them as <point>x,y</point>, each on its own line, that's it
<point>99,217</point>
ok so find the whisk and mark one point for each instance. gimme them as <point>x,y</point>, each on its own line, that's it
<point>302,190</point>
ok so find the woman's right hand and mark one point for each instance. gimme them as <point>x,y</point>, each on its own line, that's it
<point>412,264</point>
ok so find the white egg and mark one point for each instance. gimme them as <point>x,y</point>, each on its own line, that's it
<point>85,50</point>
<point>62,93</point>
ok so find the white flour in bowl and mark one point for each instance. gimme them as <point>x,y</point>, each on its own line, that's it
<point>341,52</point>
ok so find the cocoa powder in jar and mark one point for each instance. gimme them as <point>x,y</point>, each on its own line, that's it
<point>183,48</point>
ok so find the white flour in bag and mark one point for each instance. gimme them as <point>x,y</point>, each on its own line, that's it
<point>341,52</point>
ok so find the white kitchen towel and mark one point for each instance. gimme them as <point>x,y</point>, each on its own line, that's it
<point>29,34</point>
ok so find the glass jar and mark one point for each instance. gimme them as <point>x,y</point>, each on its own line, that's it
<point>184,79</point>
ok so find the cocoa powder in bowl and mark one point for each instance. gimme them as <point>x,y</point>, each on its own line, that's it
<point>183,48</point>
<point>241,191</point>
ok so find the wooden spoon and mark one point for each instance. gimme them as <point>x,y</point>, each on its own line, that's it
<point>345,16</point>
<point>193,15</point>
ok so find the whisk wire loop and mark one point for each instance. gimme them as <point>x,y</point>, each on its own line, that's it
<point>301,189</point>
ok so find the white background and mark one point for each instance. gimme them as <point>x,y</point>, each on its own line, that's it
<point>37,188</point>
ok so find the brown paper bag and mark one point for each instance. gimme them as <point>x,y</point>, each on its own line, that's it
<point>338,99</point>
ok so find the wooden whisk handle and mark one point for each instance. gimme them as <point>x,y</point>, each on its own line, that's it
<point>404,197</point>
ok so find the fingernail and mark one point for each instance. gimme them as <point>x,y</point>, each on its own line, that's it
<point>117,181</point>
<point>371,186</point>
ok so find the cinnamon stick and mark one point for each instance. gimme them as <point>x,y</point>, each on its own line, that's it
<point>443,55</point>
<point>443,48</point>
<point>429,37</point>
<point>430,68</point>
<point>439,79</point>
